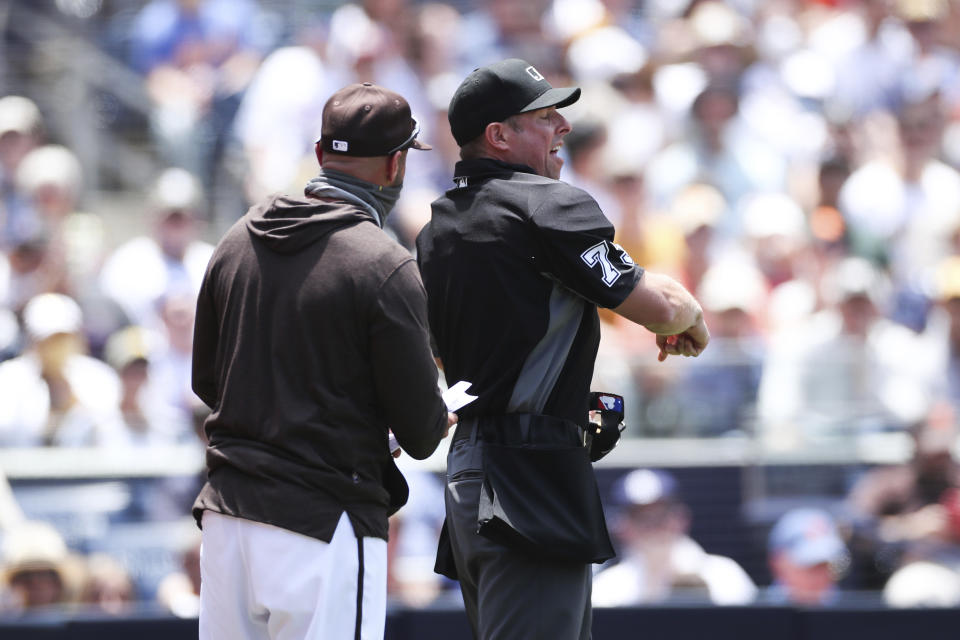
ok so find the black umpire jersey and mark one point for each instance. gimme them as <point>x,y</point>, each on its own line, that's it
<point>515,265</point>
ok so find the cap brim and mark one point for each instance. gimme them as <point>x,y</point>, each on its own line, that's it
<point>423,146</point>
<point>814,552</point>
<point>561,97</point>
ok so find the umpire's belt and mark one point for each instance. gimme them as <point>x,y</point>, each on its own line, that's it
<point>519,429</point>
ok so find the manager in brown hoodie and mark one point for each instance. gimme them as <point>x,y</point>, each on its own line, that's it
<point>310,343</point>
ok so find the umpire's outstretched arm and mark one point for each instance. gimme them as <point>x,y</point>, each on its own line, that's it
<point>665,307</point>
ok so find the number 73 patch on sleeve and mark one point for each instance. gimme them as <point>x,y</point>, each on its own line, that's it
<point>600,254</point>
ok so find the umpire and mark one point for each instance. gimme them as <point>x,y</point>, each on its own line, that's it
<point>310,340</point>
<point>515,264</point>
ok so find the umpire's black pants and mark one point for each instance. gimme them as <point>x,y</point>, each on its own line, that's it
<point>508,595</point>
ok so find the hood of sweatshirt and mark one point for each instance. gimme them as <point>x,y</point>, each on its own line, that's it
<point>287,225</point>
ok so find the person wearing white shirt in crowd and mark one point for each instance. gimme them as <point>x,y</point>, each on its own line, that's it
<point>21,131</point>
<point>902,209</point>
<point>849,370</point>
<point>54,394</point>
<point>658,559</point>
<point>145,269</point>
<point>147,419</point>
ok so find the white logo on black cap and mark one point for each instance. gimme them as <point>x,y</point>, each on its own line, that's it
<point>534,73</point>
<point>340,145</point>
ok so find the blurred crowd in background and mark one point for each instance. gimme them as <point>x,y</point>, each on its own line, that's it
<point>796,163</point>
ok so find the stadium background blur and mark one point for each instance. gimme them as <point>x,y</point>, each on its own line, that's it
<point>793,162</point>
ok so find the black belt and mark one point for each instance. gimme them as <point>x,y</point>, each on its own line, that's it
<point>520,429</point>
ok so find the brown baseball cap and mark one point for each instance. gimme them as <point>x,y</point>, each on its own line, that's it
<point>366,120</point>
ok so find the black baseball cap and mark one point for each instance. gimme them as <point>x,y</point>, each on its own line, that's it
<point>497,91</point>
<point>366,120</point>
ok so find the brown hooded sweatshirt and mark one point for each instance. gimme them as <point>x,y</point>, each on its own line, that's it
<point>310,342</point>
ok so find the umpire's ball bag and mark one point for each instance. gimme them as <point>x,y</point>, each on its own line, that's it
<point>539,491</point>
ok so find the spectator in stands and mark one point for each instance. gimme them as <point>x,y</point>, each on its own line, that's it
<point>146,417</point>
<point>910,512</point>
<point>197,58</point>
<point>57,247</point>
<point>718,149</point>
<point>604,58</point>
<point>179,592</point>
<point>25,271</point>
<point>434,36</point>
<point>851,371</point>
<point>143,271</point>
<point>499,29</point>
<point>658,560</point>
<point>923,584</point>
<point>171,366</point>
<point>721,40</point>
<point>719,395</point>
<point>48,181</point>
<point>11,517</point>
<point>775,233</point>
<point>652,237</point>
<point>774,230</point>
<point>869,74</point>
<point>807,557</point>
<point>55,394</point>
<point>107,586</point>
<point>586,167</point>
<point>828,229</point>
<point>942,334</point>
<point>38,569</point>
<point>276,122</point>
<point>366,40</point>
<point>51,178</point>
<point>933,64</point>
<point>155,410</point>
<point>698,209</point>
<point>902,208</point>
<point>21,131</point>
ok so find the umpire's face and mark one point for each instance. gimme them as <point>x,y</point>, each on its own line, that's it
<point>534,139</point>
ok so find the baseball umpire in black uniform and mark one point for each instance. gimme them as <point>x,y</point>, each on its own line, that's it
<point>310,341</point>
<point>515,263</point>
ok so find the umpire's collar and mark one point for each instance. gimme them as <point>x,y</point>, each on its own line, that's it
<point>467,171</point>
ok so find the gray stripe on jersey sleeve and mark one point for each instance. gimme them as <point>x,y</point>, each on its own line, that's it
<point>542,367</point>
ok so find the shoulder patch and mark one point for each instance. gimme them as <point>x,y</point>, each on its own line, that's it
<point>600,254</point>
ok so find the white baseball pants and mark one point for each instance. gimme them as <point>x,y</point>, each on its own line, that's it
<point>262,582</point>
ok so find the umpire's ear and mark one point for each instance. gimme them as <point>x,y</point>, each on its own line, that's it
<point>496,137</point>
